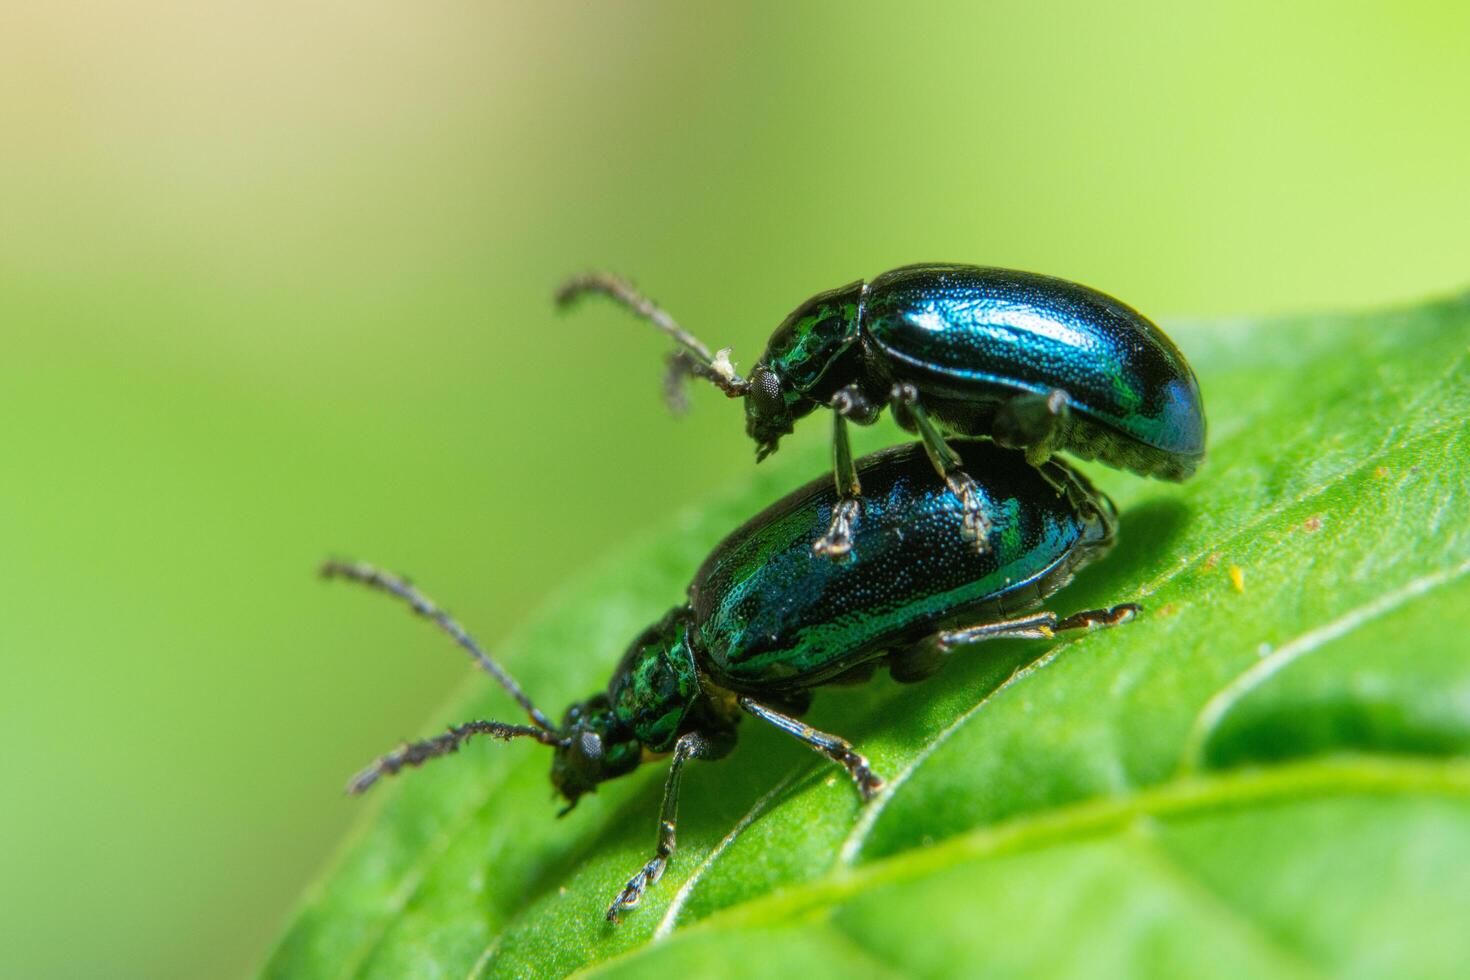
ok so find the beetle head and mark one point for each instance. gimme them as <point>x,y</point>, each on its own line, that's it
<point>813,353</point>
<point>594,747</point>
<point>768,414</point>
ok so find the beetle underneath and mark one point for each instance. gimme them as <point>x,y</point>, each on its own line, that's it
<point>767,622</point>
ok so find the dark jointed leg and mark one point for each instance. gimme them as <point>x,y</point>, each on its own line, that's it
<point>924,658</point>
<point>1031,422</point>
<point>417,753</point>
<point>689,746</point>
<point>1040,626</point>
<point>1091,619</point>
<point>838,750</point>
<point>837,542</point>
<point>905,399</point>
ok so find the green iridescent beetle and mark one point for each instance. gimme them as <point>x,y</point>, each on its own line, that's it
<point>1032,361</point>
<point>767,621</point>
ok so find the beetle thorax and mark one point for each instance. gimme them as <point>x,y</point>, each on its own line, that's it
<point>657,683</point>
<point>814,352</point>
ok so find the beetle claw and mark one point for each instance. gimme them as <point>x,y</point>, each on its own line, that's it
<point>1092,619</point>
<point>837,542</point>
<point>632,892</point>
<point>975,524</point>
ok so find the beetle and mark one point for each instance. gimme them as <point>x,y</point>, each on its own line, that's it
<point>766,622</point>
<point>1032,361</point>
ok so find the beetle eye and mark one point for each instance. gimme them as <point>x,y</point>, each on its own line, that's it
<point>590,746</point>
<point>765,391</point>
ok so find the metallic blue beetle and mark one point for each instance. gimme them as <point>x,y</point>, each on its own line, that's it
<point>766,623</point>
<point>1031,361</point>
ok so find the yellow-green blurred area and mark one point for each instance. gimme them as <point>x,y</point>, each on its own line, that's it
<point>275,285</point>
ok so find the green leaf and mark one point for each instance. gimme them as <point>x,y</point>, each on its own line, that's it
<point>1266,775</point>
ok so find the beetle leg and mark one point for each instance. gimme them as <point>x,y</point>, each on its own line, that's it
<point>1067,483</point>
<point>1091,619</point>
<point>691,745</point>
<point>905,398</point>
<point>927,656</point>
<point>837,542</point>
<point>838,750</point>
<point>1031,422</point>
<point>1039,626</point>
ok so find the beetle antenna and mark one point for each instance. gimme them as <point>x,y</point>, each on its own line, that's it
<point>417,753</point>
<point>693,358</point>
<point>423,606</point>
<point>682,365</point>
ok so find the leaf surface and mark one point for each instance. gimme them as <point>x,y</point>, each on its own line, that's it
<point>1265,775</point>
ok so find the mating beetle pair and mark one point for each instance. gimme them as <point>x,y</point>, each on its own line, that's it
<point>1035,363</point>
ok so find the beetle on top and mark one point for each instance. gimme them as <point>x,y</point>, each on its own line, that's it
<point>1031,361</point>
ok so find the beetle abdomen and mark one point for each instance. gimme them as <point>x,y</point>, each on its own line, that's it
<point>770,614</point>
<point>978,336</point>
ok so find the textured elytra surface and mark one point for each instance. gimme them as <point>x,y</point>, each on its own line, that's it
<point>1266,775</point>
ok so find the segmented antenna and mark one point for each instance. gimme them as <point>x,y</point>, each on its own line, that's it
<point>417,753</point>
<point>423,606</point>
<point>694,358</point>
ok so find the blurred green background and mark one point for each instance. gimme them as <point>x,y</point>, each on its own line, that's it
<point>274,284</point>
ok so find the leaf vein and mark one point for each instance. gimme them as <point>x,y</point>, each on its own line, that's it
<point>1193,889</point>
<point>1180,798</point>
<point>681,897</point>
<point>852,845</point>
<point>1264,669</point>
